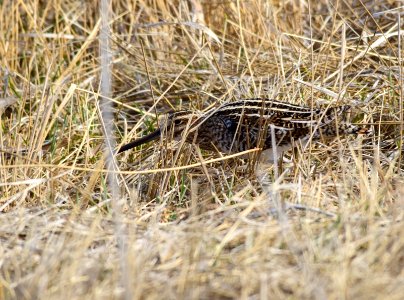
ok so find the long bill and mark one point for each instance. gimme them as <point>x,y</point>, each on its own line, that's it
<point>147,138</point>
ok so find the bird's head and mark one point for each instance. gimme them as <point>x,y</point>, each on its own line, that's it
<point>178,123</point>
<point>172,125</point>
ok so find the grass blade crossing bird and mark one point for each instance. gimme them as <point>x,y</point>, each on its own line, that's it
<point>246,124</point>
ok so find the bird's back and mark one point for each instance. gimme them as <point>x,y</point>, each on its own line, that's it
<point>247,124</point>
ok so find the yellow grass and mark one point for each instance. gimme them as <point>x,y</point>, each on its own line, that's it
<point>186,224</point>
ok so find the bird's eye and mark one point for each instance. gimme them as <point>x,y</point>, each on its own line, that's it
<point>177,122</point>
<point>229,123</point>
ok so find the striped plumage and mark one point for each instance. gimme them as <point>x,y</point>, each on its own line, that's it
<point>246,124</point>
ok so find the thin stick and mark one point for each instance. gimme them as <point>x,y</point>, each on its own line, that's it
<point>400,91</point>
<point>108,126</point>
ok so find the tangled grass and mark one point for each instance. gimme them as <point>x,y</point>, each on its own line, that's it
<point>192,224</point>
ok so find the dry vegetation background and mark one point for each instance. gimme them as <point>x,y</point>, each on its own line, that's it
<point>200,231</point>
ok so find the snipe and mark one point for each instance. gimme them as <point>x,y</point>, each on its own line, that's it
<point>250,123</point>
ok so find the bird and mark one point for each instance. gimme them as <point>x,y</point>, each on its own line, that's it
<point>253,123</point>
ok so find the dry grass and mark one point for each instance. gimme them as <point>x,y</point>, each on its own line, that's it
<point>193,230</point>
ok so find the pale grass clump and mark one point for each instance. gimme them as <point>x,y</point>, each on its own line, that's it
<point>193,224</point>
